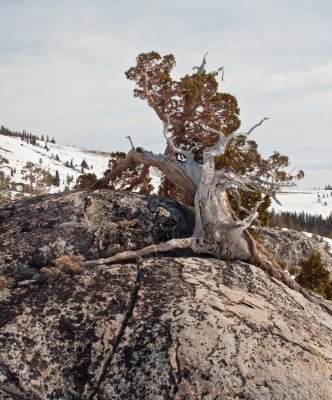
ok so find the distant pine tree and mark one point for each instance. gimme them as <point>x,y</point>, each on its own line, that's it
<point>56,179</point>
<point>84,164</point>
<point>315,276</point>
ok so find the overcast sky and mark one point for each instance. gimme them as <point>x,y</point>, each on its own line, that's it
<point>62,69</point>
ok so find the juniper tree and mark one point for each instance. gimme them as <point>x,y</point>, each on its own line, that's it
<point>130,178</point>
<point>83,181</point>
<point>207,158</point>
<point>38,179</point>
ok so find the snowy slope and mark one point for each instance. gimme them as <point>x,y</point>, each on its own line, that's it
<point>325,239</point>
<point>310,201</point>
<point>18,153</point>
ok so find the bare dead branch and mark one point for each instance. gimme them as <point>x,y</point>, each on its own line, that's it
<point>174,172</point>
<point>169,139</point>
<point>141,177</point>
<point>237,198</point>
<point>216,73</point>
<point>201,68</point>
<point>245,223</point>
<point>232,135</point>
<point>212,130</point>
<point>127,255</point>
<point>131,142</point>
<point>125,164</point>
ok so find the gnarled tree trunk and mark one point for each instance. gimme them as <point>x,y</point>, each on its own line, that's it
<point>218,230</point>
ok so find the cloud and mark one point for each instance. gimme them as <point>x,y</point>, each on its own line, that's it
<point>62,67</point>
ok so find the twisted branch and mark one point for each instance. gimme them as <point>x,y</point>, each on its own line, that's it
<point>201,68</point>
<point>130,254</point>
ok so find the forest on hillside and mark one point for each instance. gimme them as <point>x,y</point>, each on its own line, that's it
<point>302,222</point>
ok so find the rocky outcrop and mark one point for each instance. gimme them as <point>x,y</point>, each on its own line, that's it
<point>290,247</point>
<point>96,224</point>
<point>160,328</point>
<point>170,328</point>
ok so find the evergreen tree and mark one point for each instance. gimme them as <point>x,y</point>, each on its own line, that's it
<point>85,180</point>
<point>56,179</point>
<point>314,275</point>
<point>205,157</point>
<point>5,182</point>
<point>131,178</point>
<point>38,179</point>
<point>84,164</point>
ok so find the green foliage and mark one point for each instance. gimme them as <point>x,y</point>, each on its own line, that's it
<point>302,222</point>
<point>130,178</point>
<point>84,164</point>
<point>168,189</point>
<point>194,101</point>
<point>85,180</point>
<point>5,187</point>
<point>38,179</point>
<point>315,276</point>
<point>56,179</point>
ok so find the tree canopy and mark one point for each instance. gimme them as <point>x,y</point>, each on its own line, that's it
<point>206,158</point>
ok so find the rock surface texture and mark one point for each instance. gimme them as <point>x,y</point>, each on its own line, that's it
<point>91,224</point>
<point>160,328</point>
<point>290,246</point>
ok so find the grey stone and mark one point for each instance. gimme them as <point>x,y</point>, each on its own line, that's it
<point>290,247</point>
<point>162,328</point>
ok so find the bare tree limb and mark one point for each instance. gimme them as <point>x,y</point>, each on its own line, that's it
<point>201,68</point>
<point>216,73</point>
<point>245,223</point>
<point>169,139</point>
<point>130,254</point>
<point>212,130</point>
<point>131,142</point>
<point>113,173</point>
<point>237,198</point>
<point>141,177</point>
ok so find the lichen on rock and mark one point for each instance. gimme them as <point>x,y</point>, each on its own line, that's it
<point>167,327</point>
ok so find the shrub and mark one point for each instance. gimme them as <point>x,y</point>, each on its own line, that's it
<point>5,281</point>
<point>315,276</point>
<point>85,180</point>
<point>62,266</point>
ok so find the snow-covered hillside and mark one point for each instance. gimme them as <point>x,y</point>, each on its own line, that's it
<point>18,153</point>
<point>310,201</point>
<point>324,240</point>
<point>56,158</point>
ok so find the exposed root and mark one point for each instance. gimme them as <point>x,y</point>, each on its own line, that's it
<point>260,258</point>
<point>127,255</point>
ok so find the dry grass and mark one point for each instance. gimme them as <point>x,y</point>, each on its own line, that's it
<point>5,281</point>
<point>62,266</point>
